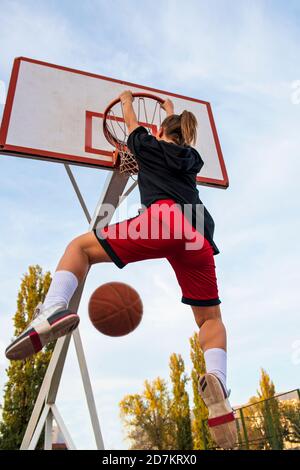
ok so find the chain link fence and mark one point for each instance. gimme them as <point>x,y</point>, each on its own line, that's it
<point>272,424</point>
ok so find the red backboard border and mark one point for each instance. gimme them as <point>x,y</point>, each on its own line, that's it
<point>57,157</point>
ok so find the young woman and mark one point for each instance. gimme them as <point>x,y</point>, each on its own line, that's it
<point>168,165</point>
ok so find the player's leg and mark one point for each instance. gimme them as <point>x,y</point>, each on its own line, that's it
<point>53,319</point>
<point>79,256</point>
<point>212,385</point>
<point>212,338</point>
<point>212,332</point>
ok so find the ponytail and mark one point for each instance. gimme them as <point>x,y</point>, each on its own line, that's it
<point>189,128</point>
<point>181,129</point>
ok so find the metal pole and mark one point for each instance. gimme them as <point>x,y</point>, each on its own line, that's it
<point>59,350</point>
<point>240,439</point>
<point>78,192</point>
<point>244,429</point>
<point>36,435</point>
<point>60,423</point>
<point>88,390</point>
<point>48,431</point>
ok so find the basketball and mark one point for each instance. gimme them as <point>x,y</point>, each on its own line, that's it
<point>115,309</point>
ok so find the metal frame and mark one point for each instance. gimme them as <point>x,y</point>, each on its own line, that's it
<point>45,409</point>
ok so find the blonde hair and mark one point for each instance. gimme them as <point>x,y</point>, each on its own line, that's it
<point>181,128</point>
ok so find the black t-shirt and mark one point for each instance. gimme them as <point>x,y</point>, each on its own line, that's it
<point>168,171</point>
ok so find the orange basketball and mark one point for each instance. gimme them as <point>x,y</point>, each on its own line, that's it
<point>115,309</point>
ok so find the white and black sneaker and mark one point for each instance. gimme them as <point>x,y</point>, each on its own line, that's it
<point>47,325</point>
<point>221,420</point>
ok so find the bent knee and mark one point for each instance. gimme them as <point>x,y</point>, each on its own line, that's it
<point>78,242</point>
<point>89,245</point>
<point>202,314</point>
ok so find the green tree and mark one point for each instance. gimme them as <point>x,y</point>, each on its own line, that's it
<point>180,409</point>
<point>201,435</point>
<point>270,411</point>
<point>24,377</point>
<point>251,425</point>
<point>291,414</point>
<point>147,417</point>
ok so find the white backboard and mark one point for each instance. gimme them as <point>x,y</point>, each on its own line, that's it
<point>55,113</point>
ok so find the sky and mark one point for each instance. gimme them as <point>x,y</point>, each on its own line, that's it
<point>243,57</point>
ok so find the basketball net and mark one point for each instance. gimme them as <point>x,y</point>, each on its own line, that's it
<point>147,108</point>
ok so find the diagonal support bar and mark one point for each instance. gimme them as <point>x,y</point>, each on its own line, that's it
<point>88,390</point>
<point>60,349</point>
<point>62,427</point>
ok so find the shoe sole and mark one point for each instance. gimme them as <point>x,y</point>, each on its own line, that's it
<point>221,420</point>
<point>34,342</point>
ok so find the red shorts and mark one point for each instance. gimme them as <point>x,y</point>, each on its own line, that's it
<point>162,231</point>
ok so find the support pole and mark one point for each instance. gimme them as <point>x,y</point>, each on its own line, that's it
<point>48,431</point>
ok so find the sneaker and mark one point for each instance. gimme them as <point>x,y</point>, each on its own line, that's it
<point>221,420</point>
<point>47,325</point>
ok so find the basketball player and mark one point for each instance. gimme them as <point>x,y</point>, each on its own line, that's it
<point>168,166</point>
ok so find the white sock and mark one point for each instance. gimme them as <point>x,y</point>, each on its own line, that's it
<point>216,363</point>
<point>62,288</point>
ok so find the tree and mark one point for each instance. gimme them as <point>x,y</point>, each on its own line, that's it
<point>262,418</point>
<point>291,427</point>
<point>24,377</point>
<point>270,411</point>
<point>251,432</point>
<point>147,417</point>
<point>201,435</point>
<point>180,410</point>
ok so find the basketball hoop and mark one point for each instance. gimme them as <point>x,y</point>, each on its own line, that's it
<point>147,108</point>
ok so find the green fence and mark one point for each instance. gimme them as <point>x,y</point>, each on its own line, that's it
<point>272,424</point>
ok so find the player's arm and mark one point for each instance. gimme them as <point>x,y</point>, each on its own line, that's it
<point>128,111</point>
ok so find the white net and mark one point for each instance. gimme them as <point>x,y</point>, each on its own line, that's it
<point>128,163</point>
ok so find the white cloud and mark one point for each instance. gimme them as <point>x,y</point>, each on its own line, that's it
<point>39,31</point>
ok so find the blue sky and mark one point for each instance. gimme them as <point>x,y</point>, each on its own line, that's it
<point>243,57</point>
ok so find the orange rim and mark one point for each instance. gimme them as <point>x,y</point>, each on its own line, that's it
<point>120,145</point>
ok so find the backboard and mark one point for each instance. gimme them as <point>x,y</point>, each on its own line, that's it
<point>56,113</point>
